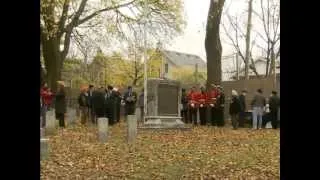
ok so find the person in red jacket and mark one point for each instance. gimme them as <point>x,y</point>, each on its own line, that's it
<point>211,101</point>
<point>193,105</point>
<point>202,97</point>
<point>46,97</point>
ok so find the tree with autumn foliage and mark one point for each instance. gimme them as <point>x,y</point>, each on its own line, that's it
<point>60,19</point>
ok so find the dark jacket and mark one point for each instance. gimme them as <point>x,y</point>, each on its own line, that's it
<point>220,101</point>
<point>242,100</point>
<point>117,98</point>
<point>235,106</point>
<point>98,102</point>
<point>60,102</point>
<point>258,101</point>
<point>90,97</point>
<point>184,101</point>
<point>83,100</point>
<point>274,103</point>
<point>133,95</point>
<point>130,105</point>
<point>109,99</point>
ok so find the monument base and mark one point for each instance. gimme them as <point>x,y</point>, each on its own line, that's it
<point>164,122</point>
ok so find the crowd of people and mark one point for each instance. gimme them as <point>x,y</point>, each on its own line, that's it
<point>100,102</point>
<point>213,100</point>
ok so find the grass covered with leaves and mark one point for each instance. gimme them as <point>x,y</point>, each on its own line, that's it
<point>201,153</point>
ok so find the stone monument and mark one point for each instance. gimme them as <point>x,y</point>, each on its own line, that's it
<point>163,105</point>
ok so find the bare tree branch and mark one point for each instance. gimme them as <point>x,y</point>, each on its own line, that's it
<point>104,10</point>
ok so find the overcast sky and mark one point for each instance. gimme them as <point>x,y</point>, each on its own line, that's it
<point>192,41</point>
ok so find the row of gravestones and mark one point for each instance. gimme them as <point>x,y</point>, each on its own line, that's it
<point>71,119</point>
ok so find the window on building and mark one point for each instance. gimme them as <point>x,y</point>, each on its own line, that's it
<point>166,68</point>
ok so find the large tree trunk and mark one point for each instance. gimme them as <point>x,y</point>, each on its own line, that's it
<point>53,61</point>
<point>213,43</point>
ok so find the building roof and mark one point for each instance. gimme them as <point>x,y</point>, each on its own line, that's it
<point>183,59</point>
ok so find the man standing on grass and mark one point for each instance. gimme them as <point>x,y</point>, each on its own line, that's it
<point>83,105</point>
<point>234,109</point>
<point>220,107</point>
<point>117,104</point>
<point>242,99</point>
<point>98,104</point>
<point>258,103</point>
<point>91,108</point>
<point>130,99</point>
<point>274,105</point>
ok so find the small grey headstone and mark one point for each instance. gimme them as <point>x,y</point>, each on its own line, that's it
<point>50,122</point>
<point>44,149</point>
<point>71,116</point>
<point>132,128</point>
<point>42,133</point>
<point>103,129</point>
<point>268,125</point>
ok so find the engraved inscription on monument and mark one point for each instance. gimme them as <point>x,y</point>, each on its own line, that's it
<point>168,100</point>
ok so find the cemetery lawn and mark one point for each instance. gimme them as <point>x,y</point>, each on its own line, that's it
<point>201,153</point>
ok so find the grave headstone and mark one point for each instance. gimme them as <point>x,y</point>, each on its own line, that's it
<point>103,129</point>
<point>50,122</point>
<point>132,128</point>
<point>44,148</point>
<point>71,116</point>
<point>268,125</point>
<point>42,132</point>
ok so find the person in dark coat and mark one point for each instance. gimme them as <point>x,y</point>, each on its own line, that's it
<point>98,103</point>
<point>91,114</point>
<point>274,105</point>
<point>242,99</point>
<point>220,107</point>
<point>130,99</point>
<point>60,104</point>
<point>141,105</point>
<point>117,104</point>
<point>109,104</point>
<point>83,105</point>
<point>234,109</point>
<point>184,103</point>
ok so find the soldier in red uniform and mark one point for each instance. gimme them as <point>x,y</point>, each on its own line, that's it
<point>211,101</point>
<point>202,97</point>
<point>193,105</point>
